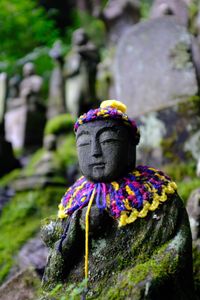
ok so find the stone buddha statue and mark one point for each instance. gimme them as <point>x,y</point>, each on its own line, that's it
<point>124,228</point>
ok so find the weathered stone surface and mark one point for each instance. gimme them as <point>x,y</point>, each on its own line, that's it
<point>153,66</point>
<point>34,254</point>
<point>22,286</point>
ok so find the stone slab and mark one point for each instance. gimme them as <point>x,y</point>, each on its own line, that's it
<point>153,66</point>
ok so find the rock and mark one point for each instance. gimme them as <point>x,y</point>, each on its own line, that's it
<point>23,286</point>
<point>34,254</point>
<point>153,66</point>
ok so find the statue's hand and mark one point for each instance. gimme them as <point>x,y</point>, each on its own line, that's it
<point>51,231</point>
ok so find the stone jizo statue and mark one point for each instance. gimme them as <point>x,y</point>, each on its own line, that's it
<point>31,84</point>
<point>124,228</point>
<point>80,70</point>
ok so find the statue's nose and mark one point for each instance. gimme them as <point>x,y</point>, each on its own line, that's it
<point>96,148</point>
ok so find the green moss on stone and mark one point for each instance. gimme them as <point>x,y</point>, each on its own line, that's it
<point>7,179</point>
<point>59,124</point>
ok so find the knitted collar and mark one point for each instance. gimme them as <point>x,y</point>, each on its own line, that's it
<point>126,199</point>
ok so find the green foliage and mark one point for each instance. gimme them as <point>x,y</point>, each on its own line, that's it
<point>20,220</point>
<point>181,171</point>
<point>60,124</point>
<point>23,26</point>
<point>94,27</point>
<point>186,187</point>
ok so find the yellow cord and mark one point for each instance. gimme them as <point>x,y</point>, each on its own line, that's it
<point>87,233</point>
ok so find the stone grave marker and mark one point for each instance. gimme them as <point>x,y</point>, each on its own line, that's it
<point>153,66</point>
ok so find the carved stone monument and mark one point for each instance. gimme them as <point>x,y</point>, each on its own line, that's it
<point>124,225</point>
<point>25,114</point>
<point>80,72</point>
<point>156,76</point>
<point>154,67</point>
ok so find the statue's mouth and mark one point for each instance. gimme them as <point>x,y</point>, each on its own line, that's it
<point>98,165</point>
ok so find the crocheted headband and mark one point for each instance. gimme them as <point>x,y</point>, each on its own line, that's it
<point>110,110</point>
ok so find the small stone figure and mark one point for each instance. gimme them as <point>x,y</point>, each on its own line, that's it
<point>129,219</point>
<point>80,73</point>
<point>31,85</point>
<point>25,113</point>
<point>118,17</point>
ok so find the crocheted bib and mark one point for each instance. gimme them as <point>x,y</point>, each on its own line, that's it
<point>126,199</point>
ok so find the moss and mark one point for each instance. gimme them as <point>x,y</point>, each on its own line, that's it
<point>20,220</point>
<point>59,124</point>
<point>7,179</point>
<point>181,171</point>
<point>181,56</point>
<point>159,267</point>
<point>30,168</point>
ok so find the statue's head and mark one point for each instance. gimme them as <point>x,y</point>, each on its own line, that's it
<point>106,142</point>
<point>79,37</point>
<point>28,69</point>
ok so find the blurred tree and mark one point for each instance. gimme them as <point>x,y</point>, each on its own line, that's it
<point>23,26</point>
<point>60,12</point>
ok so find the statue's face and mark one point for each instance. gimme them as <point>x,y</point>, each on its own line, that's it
<point>105,150</point>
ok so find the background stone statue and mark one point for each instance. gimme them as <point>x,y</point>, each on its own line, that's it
<point>56,101</point>
<point>80,73</point>
<point>149,255</point>
<point>30,86</point>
